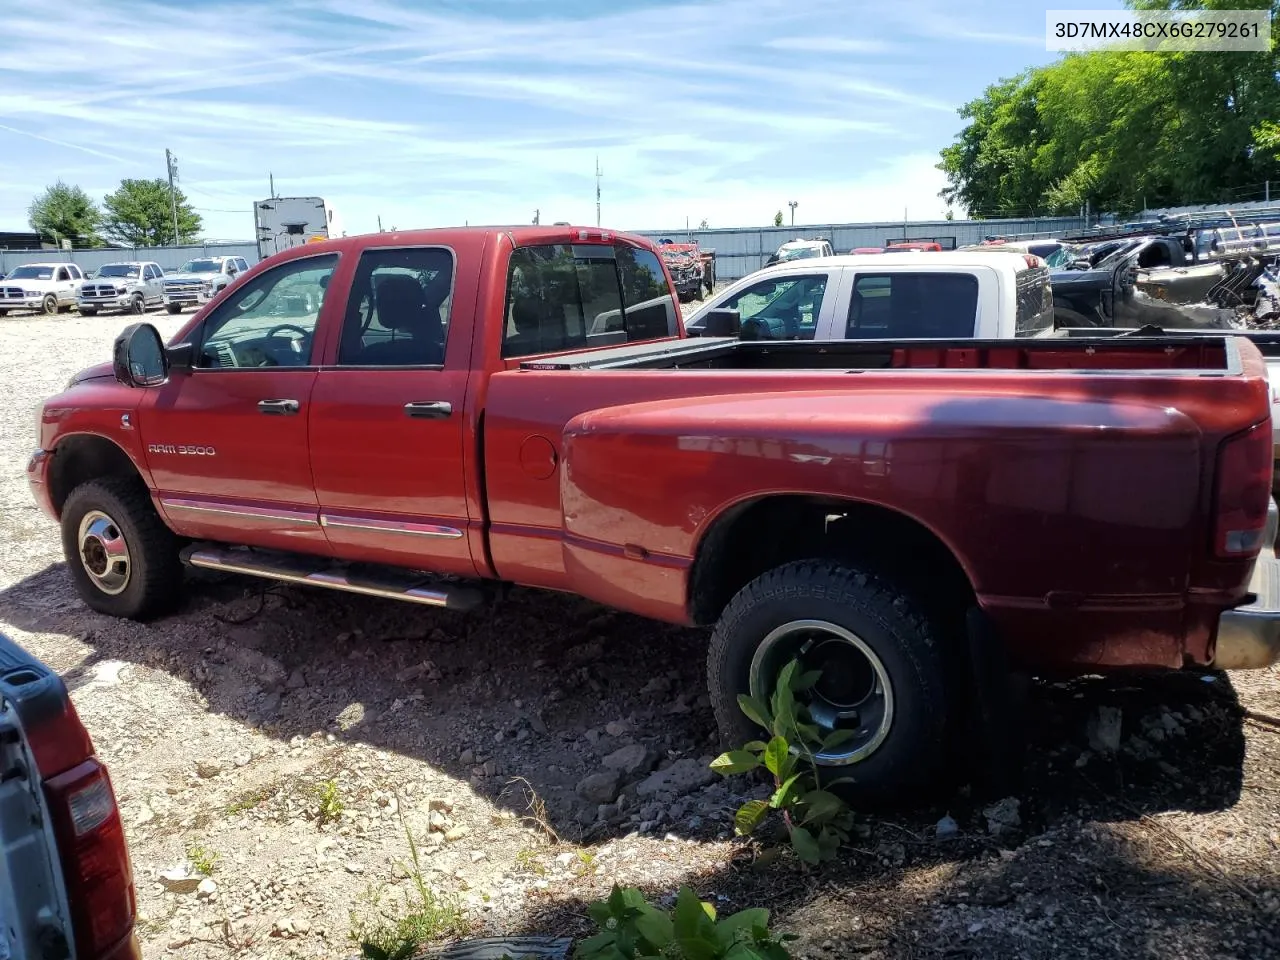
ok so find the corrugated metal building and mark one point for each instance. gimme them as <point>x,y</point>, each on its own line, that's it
<point>171,258</point>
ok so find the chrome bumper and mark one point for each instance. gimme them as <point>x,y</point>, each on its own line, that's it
<point>1249,636</point>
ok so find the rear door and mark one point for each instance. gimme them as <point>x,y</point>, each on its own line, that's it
<point>387,419</point>
<point>227,442</point>
<point>908,304</point>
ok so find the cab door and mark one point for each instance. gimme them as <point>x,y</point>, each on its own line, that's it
<point>227,441</point>
<point>387,417</point>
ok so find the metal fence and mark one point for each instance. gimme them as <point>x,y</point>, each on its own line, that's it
<point>742,251</point>
<point>171,258</point>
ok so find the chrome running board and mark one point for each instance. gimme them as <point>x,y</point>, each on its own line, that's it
<point>393,583</point>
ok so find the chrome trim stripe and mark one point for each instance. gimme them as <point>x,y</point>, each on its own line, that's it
<point>248,513</point>
<point>390,526</point>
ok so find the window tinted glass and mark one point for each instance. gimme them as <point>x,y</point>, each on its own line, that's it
<point>781,308</point>
<point>556,294</point>
<point>650,308</point>
<point>269,322</point>
<point>398,313</point>
<point>63,274</point>
<point>1035,302</point>
<point>913,305</point>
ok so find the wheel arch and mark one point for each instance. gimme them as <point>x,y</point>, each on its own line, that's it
<point>762,532</point>
<point>81,457</point>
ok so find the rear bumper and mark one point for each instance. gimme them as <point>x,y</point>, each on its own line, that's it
<point>1249,636</point>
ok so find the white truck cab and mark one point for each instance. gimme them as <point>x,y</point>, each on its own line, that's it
<point>951,295</point>
<point>47,287</point>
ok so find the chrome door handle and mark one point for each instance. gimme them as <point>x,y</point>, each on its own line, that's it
<point>279,408</point>
<point>429,409</point>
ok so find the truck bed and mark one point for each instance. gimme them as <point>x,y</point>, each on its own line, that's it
<point>1218,355</point>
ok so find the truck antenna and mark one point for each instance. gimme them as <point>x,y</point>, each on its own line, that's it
<point>599,174</point>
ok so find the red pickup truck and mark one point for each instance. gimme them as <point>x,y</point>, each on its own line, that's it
<point>431,415</point>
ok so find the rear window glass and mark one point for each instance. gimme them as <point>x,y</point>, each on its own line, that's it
<point>563,297</point>
<point>1035,302</point>
<point>913,305</point>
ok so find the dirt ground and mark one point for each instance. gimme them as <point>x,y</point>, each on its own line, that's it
<point>287,739</point>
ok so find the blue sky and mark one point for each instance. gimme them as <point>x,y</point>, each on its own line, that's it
<point>440,112</point>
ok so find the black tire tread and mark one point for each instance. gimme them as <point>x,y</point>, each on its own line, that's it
<point>891,608</point>
<point>153,549</point>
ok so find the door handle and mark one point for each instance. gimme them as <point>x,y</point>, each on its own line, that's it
<point>429,409</point>
<point>279,408</point>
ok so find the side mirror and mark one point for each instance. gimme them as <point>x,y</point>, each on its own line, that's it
<point>722,322</point>
<point>139,357</point>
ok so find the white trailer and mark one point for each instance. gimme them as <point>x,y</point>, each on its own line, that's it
<point>286,222</point>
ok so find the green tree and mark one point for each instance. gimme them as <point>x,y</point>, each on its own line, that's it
<point>64,212</point>
<point>138,214</point>
<point>1120,129</point>
<point>777,219</point>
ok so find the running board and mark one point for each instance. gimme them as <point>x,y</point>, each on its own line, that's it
<point>392,583</point>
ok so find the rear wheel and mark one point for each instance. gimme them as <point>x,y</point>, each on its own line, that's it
<point>122,558</point>
<point>882,671</point>
<point>173,307</point>
<point>49,306</point>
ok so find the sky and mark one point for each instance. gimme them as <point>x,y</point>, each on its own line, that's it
<point>441,112</point>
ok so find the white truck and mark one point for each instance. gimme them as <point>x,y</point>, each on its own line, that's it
<point>200,280</point>
<point>949,295</point>
<point>131,286</point>
<point>285,222</point>
<point>47,287</point>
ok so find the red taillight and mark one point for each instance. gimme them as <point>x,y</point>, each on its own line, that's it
<point>58,740</point>
<point>1243,492</point>
<point>1032,260</point>
<point>95,863</point>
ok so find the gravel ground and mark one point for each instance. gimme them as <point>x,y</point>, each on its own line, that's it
<point>286,740</point>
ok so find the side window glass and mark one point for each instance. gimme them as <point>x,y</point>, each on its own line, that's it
<point>561,297</point>
<point>63,274</point>
<point>913,306</point>
<point>782,308</point>
<point>398,312</point>
<point>270,322</point>
<point>650,309</point>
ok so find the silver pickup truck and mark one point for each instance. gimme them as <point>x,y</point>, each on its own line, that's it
<point>131,286</point>
<point>66,885</point>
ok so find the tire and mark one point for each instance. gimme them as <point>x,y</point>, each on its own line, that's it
<point>137,305</point>
<point>116,514</point>
<point>1066,317</point>
<point>88,311</point>
<point>173,307</point>
<point>904,751</point>
<point>49,306</point>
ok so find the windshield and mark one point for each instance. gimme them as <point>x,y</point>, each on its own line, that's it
<point>118,270</point>
<point>1062,257</point>
<point>798,253</point>
<point>202,266</point>
<point>32,273</point>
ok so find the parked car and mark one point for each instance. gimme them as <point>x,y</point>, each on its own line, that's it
<point>131,286</point>
<point>890,295</point>
<point>47,287</point>
<point>66,884</point>
<point>801,250</point>
<point>889,513</point>
<point>198,281</point>
<point>691,268</point>
<point>918,246</point>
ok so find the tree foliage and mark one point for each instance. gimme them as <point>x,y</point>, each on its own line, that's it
<point>1122,129</point>
<point>65,212</point>
<point>139,214</point>
<point>777,219</point>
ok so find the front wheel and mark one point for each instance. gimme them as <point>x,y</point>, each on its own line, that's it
<point>882,673</point>
<point>49,306</point>
<point>173,307</point>
<point>137,305</point>
<point>123,559</point>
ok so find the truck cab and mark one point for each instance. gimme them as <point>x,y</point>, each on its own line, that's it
<point>199,280</point>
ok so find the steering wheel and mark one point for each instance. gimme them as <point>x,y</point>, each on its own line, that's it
<point>272,333</point>
<point>294,343</point>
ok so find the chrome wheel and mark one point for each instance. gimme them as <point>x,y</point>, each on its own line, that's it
<point>853,693</point>
<point>103,552</point>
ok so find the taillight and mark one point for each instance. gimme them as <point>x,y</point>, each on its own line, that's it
<point>1243,492</point>
<point>95,863</point>
<point>1032,261</point>
<point>57,738</point>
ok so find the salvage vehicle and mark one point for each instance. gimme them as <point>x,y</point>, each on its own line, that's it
<point>47,287</point>
<point>131,286</point>
<point>66,885</point>
<point>692,269</point>
<point>799,249</point>
<point>891,295</point>
<point>200,280</point>
<point>899,516</point>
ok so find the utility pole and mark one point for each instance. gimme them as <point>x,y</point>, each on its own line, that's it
<point>793,204</point>
<point>537,217</point>
<point>171,162</point>
<point>379,223</point>
<point>599,174</point>
<point>272,178</point>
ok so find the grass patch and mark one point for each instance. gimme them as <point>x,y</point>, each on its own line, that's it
<point>388,934</point>
<point>251,799</point>
<point>202,858</point>
<point>330,804</point>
